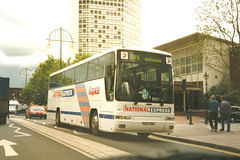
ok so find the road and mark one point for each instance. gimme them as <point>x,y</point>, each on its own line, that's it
<point>28,144</point>
<point>38,139</point>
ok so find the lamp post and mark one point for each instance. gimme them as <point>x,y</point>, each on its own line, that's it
<point>184,93</point>
<point>206,76</point>
<point>60,34</point>
<point>24,72</point>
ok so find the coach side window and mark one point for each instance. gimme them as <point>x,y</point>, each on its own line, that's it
<point>81,73</point>
<point>69,76</point>
<point>109,77</point>
<point>95,68</point>
<point>57,80</point>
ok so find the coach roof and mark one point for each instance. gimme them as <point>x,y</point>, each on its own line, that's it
<point>108,51</point>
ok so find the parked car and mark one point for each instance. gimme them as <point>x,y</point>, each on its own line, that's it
<point>21,109</point>
<point>235,115</point>
<point>36,111</point>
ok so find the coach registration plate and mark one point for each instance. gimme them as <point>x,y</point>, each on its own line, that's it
<point>148,123</point>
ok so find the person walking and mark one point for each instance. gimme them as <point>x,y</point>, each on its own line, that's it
<point>213,106</point>
<point>225,111</point>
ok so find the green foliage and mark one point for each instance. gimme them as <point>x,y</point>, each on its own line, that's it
<point>79,57</point>
<point>225,88</point>
<point>218,18</point>
<point>36,90</point>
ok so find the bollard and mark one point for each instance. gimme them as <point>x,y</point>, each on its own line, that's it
<point>190,117</point>
<point>206,116</point>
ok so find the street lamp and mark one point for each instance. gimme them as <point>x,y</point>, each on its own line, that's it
<point>206,76</point>
<point>24,72</point>
<point>60,34</point>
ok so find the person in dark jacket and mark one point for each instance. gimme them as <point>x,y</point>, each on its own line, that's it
<point>213,106</point>
<point>225,111</point>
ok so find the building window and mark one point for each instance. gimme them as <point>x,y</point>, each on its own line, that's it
<point>177,63</point>
<point>183,62</point>
<point>200,67</point>
<point>194,67</point>
<point>177,71</point>
<point>188,69</point>
<point>188,60</point>
<point>183,70</point>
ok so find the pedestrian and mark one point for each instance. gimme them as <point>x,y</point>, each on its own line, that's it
<point>225,111</point>
<point>213,106</point>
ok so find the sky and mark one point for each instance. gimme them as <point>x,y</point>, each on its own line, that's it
<point>26,24</point>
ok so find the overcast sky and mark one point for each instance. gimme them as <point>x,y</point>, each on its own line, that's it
<point>26,24</point>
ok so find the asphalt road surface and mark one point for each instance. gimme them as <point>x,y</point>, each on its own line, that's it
<point>39,139</point>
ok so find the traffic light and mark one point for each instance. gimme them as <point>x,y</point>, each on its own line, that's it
<point>184,86</point>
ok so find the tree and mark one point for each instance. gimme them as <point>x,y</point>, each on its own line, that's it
<point>79,57</point>
<point>36,90</point>
<point>225,88</point>
<point>219,21</point>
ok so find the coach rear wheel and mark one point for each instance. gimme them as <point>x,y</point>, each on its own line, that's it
<point>95,124</point>
<point>143,135</point>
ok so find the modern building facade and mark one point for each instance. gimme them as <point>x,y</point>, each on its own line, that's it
<point>97,25</point>
<point>186,66</point>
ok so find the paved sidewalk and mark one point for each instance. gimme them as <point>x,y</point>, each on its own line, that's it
<point>200,132</point>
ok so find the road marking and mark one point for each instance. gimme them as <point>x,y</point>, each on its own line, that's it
<point>17,131</point>
<point>7,147</point>
<point>91,149</point>
<point>195,145</point>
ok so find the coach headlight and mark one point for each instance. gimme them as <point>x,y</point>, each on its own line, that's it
<point>123,117</point>
<point>118,117</point>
